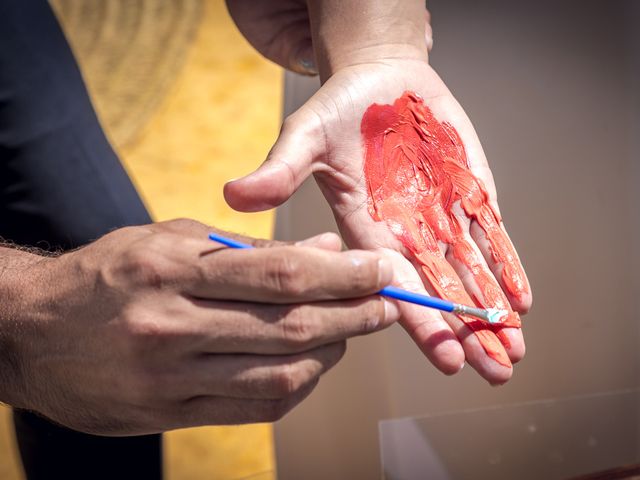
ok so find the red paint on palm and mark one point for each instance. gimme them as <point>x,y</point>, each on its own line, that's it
<point>420,183</point>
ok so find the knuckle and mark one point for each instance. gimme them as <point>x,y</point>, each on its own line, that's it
<point>146,336</point>
<point>265,243</point>
<point>143,329</point>
<point>276,409</point>
<point>183,222</point>
<point>298,329</point>
<point>145,265</point>
<point>185,225</point>
<point>363,276</point>
<point>287,274</point>
<point>288,380</point>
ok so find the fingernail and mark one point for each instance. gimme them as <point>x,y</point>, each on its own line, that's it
<point>308,65</point>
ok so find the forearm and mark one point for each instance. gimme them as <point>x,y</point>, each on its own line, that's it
<point>348,32</point>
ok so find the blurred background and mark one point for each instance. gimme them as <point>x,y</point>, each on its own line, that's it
<point>553,89</point>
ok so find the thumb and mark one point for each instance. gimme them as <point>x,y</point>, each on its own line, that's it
<point>288,164</point>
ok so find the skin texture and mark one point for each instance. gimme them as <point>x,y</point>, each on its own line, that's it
<point>153,328</point>
<point>281,31</point>
<point>370,56</point>
<point>419,183</point>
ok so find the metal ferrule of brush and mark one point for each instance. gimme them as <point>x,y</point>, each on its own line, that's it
<point>474,312</point>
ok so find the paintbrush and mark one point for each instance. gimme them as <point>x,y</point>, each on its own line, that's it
<point>491,315</point>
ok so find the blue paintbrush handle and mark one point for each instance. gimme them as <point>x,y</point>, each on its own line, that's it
<point>229,242</point>
<point>417,298</point>
<point>392,292</point>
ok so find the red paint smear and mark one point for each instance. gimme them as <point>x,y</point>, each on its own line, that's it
<point>417,175</point>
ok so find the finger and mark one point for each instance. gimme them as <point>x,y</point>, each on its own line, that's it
<point>208,410</point>
<point>495,245</point>
<point>487,229</point>
<point>286,36</point>
<point>288,164</point>
<point>503,261</point>
<point>289,275</point>
<point>303,60</point>
<point>483,350</point>
<point>292,47</point>
<point>483,288</point>
<point>261,376</point>
<point>195,229</point>
<point>425,326</point>
<point>232,327</point>
<point>163,258</point>
<point>198,230</point>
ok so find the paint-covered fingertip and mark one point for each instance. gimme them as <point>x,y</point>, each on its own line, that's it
<point>521,303</point>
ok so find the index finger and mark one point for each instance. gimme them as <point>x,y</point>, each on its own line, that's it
<point>289,275</point>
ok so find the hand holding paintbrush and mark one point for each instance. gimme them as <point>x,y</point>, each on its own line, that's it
<point>491,315</point>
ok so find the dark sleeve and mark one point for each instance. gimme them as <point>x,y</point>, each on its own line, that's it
<point>61,184</point>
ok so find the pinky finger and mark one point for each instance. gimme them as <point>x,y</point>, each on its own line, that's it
<point>502,259</point>
<point>206,410</point>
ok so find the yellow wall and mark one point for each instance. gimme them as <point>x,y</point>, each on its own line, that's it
<point>218,122</point>
<point>8,460</point>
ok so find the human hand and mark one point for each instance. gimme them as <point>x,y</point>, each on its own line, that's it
<point>325,137</point>
<point>153,328</point>
<point>280,30</point>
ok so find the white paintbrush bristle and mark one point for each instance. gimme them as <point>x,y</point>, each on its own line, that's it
<point>496,315</point>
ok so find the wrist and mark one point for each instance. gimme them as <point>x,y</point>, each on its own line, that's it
<point>346,33</point>
<point>19,288</point>
<point>369,55</point>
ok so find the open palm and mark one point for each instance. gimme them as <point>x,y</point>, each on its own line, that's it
<point>324,137</point>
